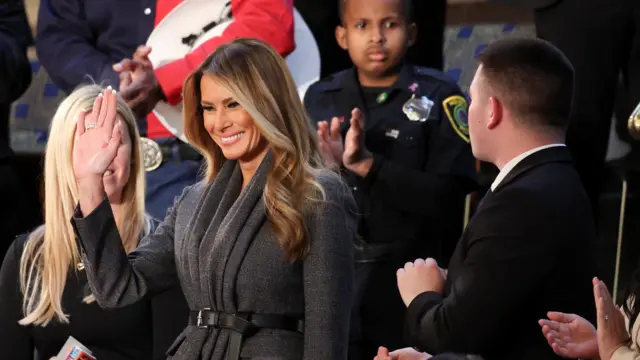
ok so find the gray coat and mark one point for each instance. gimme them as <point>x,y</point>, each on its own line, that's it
<point>217,243</point>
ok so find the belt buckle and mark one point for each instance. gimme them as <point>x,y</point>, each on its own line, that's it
<point>151,154</point>
<point>199,319</point>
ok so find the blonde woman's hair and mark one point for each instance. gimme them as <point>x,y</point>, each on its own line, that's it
<point>259,80</point>
<point>51,249</point>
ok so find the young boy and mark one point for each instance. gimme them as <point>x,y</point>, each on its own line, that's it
<point>405,156</point>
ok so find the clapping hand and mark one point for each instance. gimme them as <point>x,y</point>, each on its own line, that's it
<point>138,83</point>
<point>356,157</point>
<point>570,335</point>
<point>418,277</point>
<point>612,333</point>
<point>330,142</point>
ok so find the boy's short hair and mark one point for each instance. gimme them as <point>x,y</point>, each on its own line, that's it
<point>532,78</point>
<point>407,7</point>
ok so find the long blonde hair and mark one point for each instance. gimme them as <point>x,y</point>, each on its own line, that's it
<point>259,80</point>
<point>51,249</point>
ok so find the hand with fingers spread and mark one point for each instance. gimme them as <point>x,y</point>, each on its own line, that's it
<point>356,157</point>
<point>330,142</point>
<point>418,277</point>
<point>96,143</point>
<point>570,335</point>
<point>612,333</point>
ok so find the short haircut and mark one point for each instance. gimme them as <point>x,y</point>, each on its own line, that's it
<point>407,9</point>
<point>532,78</point>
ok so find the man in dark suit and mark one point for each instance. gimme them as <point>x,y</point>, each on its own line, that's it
<point>527,249</point>
<point>15,77</point>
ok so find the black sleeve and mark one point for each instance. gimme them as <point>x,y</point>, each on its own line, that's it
<point>448,175</point>
<point>508,259</point>
<point>15,38</point>
<point>170,316</point>
<point>15,340</point>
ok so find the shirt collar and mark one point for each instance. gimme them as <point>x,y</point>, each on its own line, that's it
<point>513,162</point>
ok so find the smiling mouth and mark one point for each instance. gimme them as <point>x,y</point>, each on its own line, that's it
<point>231,139</point>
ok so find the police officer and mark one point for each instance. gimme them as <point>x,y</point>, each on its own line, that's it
<point>405,155</point>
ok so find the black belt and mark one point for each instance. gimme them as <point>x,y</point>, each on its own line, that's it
<point>243,325</point>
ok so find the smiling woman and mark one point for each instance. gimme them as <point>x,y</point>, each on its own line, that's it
<point>262,247</point>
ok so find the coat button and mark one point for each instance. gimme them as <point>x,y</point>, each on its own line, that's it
<point>147,11</point>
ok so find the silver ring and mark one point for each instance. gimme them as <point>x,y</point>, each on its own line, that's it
<point>606,318</point>
<point>90,125</point>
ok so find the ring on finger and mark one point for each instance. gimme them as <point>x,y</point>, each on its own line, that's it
<point>606,318</point>
<point>91,125</point>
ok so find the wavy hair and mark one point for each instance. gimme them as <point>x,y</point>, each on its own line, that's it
<point>51,250</point>
<point>259,80</point>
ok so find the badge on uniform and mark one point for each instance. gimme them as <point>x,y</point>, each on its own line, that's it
<point>456,108</point>
<point>417,109</point>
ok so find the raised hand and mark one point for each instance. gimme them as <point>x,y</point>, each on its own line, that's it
<point>570,335</point>
<point>96,143</point>
<point>612,333</point>
<point>97,138</point>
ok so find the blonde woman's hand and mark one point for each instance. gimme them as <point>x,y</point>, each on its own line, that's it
<point>612,333</point>
<point>97,139</point>
<point>570,335</point>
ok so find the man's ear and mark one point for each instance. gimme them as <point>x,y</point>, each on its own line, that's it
<point>496,111</point>
<point>412,33</point>
<point>341,37</point>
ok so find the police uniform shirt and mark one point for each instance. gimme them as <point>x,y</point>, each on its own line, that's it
<point>420,168</point>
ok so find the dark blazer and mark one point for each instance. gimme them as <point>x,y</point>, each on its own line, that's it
<point>217,243</point>
<point>526,251</point>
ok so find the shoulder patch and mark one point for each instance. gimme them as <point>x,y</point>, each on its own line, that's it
<point>456,109</point>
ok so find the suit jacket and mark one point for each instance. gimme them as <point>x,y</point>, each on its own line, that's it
<point>217,243</point>
<point>526,251</point>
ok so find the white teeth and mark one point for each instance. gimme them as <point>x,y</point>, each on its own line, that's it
<point>232,138</point>
<point>108,172</point>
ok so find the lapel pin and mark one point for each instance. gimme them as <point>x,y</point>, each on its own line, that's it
<point>382,97</point>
